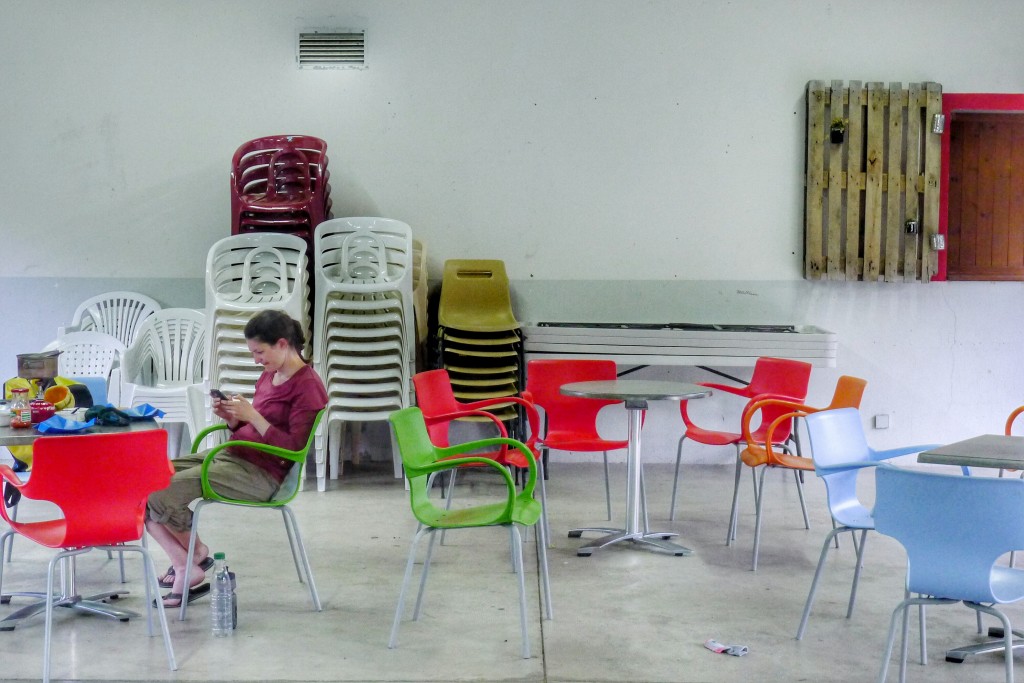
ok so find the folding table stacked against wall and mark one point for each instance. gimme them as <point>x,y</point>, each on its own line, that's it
<point>478,337</point>
<point>168,355</point>
<point>246,274</point>
<point>364,347</point>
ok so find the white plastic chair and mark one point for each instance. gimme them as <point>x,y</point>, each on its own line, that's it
<point>168,356</point>
<point>119,314</point>
<point>92,355</point>
<point>365,345</point>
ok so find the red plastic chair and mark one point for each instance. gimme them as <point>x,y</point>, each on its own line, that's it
<point>848,393</point>
<point>101,483</point>
<point>571,422</point>
<point>772,378</point>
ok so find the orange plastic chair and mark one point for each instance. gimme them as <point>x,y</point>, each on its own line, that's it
<point>772,378</point>
<point>758,453</point>
<point>100,483</point>
<point>570,423</point>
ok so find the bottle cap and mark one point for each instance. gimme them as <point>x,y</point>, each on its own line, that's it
<point>219,556</point>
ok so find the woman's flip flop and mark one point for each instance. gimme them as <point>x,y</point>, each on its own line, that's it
<point>194,594</point>
<point>167,580</point>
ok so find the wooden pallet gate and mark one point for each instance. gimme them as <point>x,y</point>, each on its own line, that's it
<point>863,190</point>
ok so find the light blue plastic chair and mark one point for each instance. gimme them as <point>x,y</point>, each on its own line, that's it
<point>954,528</point>
<point>840,450</point>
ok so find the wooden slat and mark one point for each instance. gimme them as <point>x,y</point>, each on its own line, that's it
<point>875,160</point>
<point>893,191</point>
<point>932,167</point>
<point>1015,246</point>
<point>834,244</point>
<point>915,104</point>
<point>854,178</point>
<point>816,127</point>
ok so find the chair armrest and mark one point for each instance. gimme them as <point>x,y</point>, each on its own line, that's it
<point>879,456</point>
<point>205,433</point>
<point>843,467</point>
<point>531,460</point>
<point>11,477</point>
<point>737,391</point>
<point>532,416</point>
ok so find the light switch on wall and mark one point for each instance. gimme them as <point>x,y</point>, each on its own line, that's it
<point>881,421</point>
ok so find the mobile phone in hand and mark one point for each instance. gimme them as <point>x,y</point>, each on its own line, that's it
<point>217,393</point>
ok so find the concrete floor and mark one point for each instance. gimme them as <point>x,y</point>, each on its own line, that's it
<point>623,614</point>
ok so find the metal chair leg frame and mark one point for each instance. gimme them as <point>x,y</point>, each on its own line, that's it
<point>730,535</point>
<point>517,550</point>
<point>675,480</point>
<point>814,582</point>
<point>393,639</point>
<point>152,589</point>
<point>901,610</point>
<point>607,486</point>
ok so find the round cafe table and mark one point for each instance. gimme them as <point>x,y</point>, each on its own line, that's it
<point>636,393</point>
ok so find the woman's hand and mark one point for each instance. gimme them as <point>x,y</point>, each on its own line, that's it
<point>238,411</point>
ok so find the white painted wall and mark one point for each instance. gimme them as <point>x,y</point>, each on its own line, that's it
<point>589,144</point>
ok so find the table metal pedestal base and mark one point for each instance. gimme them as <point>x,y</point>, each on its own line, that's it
<point>958,655</point>
<point>93,604</point>
<point>658,539</point>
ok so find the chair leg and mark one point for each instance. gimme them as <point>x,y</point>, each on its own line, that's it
<point>423,575</point>
<point>757,521</point>
<point>393,640</point>
<point>542,559</point>
<point>295,541</point>
<point>890,640</point>
<point>541,476</point>
<point>48,628</point>
<point>607,487</point>
<point>856,571</point>
<point>675,479</point>
<point>730,535</point>
<point>800,494</point>
<point>153,596</point>
<point>189,561</point>
<point>517,551</point>
<point>814,582</point>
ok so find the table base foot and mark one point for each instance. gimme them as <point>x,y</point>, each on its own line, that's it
<point>958,655</point>
<point>93,604</point>
<point>653,538</point>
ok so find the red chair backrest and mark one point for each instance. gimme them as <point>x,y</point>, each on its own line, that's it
<point>780,376</point>
<point>101,482</point>
<point>569,414</point>
<point>434,396</point>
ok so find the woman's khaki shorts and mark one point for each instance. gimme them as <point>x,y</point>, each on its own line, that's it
<point>229,475</point>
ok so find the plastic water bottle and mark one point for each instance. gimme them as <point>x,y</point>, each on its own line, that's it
<point>221,607</point>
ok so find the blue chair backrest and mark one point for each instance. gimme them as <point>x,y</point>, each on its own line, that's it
<point>953,528</point>
<point>837,437</point>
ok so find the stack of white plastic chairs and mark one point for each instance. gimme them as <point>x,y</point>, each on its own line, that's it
<point>168,355</point>
<point>246,274</point>
<point>365,342</point>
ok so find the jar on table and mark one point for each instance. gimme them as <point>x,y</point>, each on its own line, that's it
<point>21,413</point>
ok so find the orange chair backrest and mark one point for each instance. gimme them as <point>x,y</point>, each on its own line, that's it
<point>544,379</point>
<point>100,482</point>
<point>848,393</point>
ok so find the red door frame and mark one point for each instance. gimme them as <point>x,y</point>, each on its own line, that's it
<point>963,102</point>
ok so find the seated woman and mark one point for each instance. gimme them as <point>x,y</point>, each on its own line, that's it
<point>288,396</point>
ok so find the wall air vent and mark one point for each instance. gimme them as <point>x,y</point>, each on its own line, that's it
<point>331,50</point>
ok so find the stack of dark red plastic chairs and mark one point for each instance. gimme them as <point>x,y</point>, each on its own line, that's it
<point>280,183</point>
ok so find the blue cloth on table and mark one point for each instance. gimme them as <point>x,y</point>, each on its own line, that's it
<point>58,424</point>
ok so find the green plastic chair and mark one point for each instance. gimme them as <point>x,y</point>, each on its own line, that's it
<point>421,459</point>
<point>285,494</point>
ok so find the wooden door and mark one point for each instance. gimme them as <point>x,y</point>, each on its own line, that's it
<point>986,196</point>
